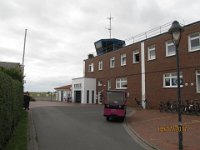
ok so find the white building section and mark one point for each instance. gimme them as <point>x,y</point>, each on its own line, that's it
<point>84,90</point>
<point>64,93</point>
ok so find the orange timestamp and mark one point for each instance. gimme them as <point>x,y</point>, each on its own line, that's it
<point>172,128</point>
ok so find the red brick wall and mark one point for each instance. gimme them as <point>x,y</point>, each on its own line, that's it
<point>155,92</point>
<point>189,62</point>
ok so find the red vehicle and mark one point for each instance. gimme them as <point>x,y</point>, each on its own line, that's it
<point>115,104</point>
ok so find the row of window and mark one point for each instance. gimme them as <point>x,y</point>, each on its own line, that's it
<point>121,83</point>
<point>169,81</point>
<point>194,45</point>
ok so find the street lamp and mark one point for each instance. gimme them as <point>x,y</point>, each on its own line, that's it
<point>175,30</point>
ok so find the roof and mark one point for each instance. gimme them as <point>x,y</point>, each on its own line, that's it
<point>113,39</point>
<point>66,87</point>
<point>83,78</point>
<point>9,65</point>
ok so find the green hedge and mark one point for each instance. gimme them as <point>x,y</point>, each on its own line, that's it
<point>11,103</point>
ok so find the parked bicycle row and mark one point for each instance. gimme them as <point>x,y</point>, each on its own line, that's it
<point>188,106</point>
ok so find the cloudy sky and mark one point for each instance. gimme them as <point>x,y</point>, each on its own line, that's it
<point>61,33</point>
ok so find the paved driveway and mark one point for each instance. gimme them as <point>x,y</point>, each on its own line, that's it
<point>79,127</point>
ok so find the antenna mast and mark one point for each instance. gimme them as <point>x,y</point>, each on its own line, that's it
<point>110,27</point>
<point>24,47</point>
<point>24,51</point>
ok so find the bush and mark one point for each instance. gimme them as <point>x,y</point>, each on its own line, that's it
<point>14,73</point>
<point>11,103</point>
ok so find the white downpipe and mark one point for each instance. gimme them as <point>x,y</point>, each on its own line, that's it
<point>143,75</point>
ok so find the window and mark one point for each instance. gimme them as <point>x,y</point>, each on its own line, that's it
<point>101,65</point>
<point>123,59</point>
<point>77,86</point>
<point>151,52</point>
<point>100,83</point>
<point>170,48</point>
<point>136,56</point>
<point>112,62</point>
<point>121,83</point>
<point>194,42</point>
<point>88,96</point>
<point>170,80</point>
<point>109,84</point>
<point>198,81</point>
<point>91,67</point>
<point>92,96</point>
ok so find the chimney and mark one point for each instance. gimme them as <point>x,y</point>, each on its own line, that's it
<point>90,56</point>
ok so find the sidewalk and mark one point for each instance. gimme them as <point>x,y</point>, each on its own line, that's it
<point>159,129</point>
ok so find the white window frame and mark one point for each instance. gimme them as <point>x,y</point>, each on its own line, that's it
<point>198,81</point>
<point>120,82</point>
<point>77,86</point>
<point>100,65</point>
<point>100,83</point>
<point>150,50</point>
<point>91,67</point>
<point>136,52</point>
<point>168,44</point>
<point>123,59</point>
<point>112,62</point>
<point>109,84</point>
<point>190,48</point>
<point>172,77</point>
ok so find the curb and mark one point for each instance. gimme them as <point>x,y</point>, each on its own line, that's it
<point>137,138</point>
<point>32,136</point>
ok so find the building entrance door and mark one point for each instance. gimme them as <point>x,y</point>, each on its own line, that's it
<point>77,96</point>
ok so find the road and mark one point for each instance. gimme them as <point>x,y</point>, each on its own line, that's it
<point>79,127</point>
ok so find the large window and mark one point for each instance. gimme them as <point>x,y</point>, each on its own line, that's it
<point>136,56</point>
<point>123,59</point>
<point>121,83</point>
<point>198,81</point>
<point>170,80</point>
<point>112,62</point>
<point>194,42</point>
<point>170,48</point>
<point>91,67</point>
<point>101,65</point>
<point>151,52</point>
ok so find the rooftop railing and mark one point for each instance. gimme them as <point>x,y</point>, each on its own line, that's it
<point>148,34</point>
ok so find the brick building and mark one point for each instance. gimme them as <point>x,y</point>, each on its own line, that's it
<point>147,69</point>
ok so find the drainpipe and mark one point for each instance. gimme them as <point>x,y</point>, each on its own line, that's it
<point>143,92</point>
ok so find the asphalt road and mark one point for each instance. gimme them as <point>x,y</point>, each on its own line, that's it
<point>79,128</point>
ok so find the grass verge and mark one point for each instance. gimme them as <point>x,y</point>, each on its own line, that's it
<point>19,139</point>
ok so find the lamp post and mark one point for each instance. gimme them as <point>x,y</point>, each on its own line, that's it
<point>175,30</point>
